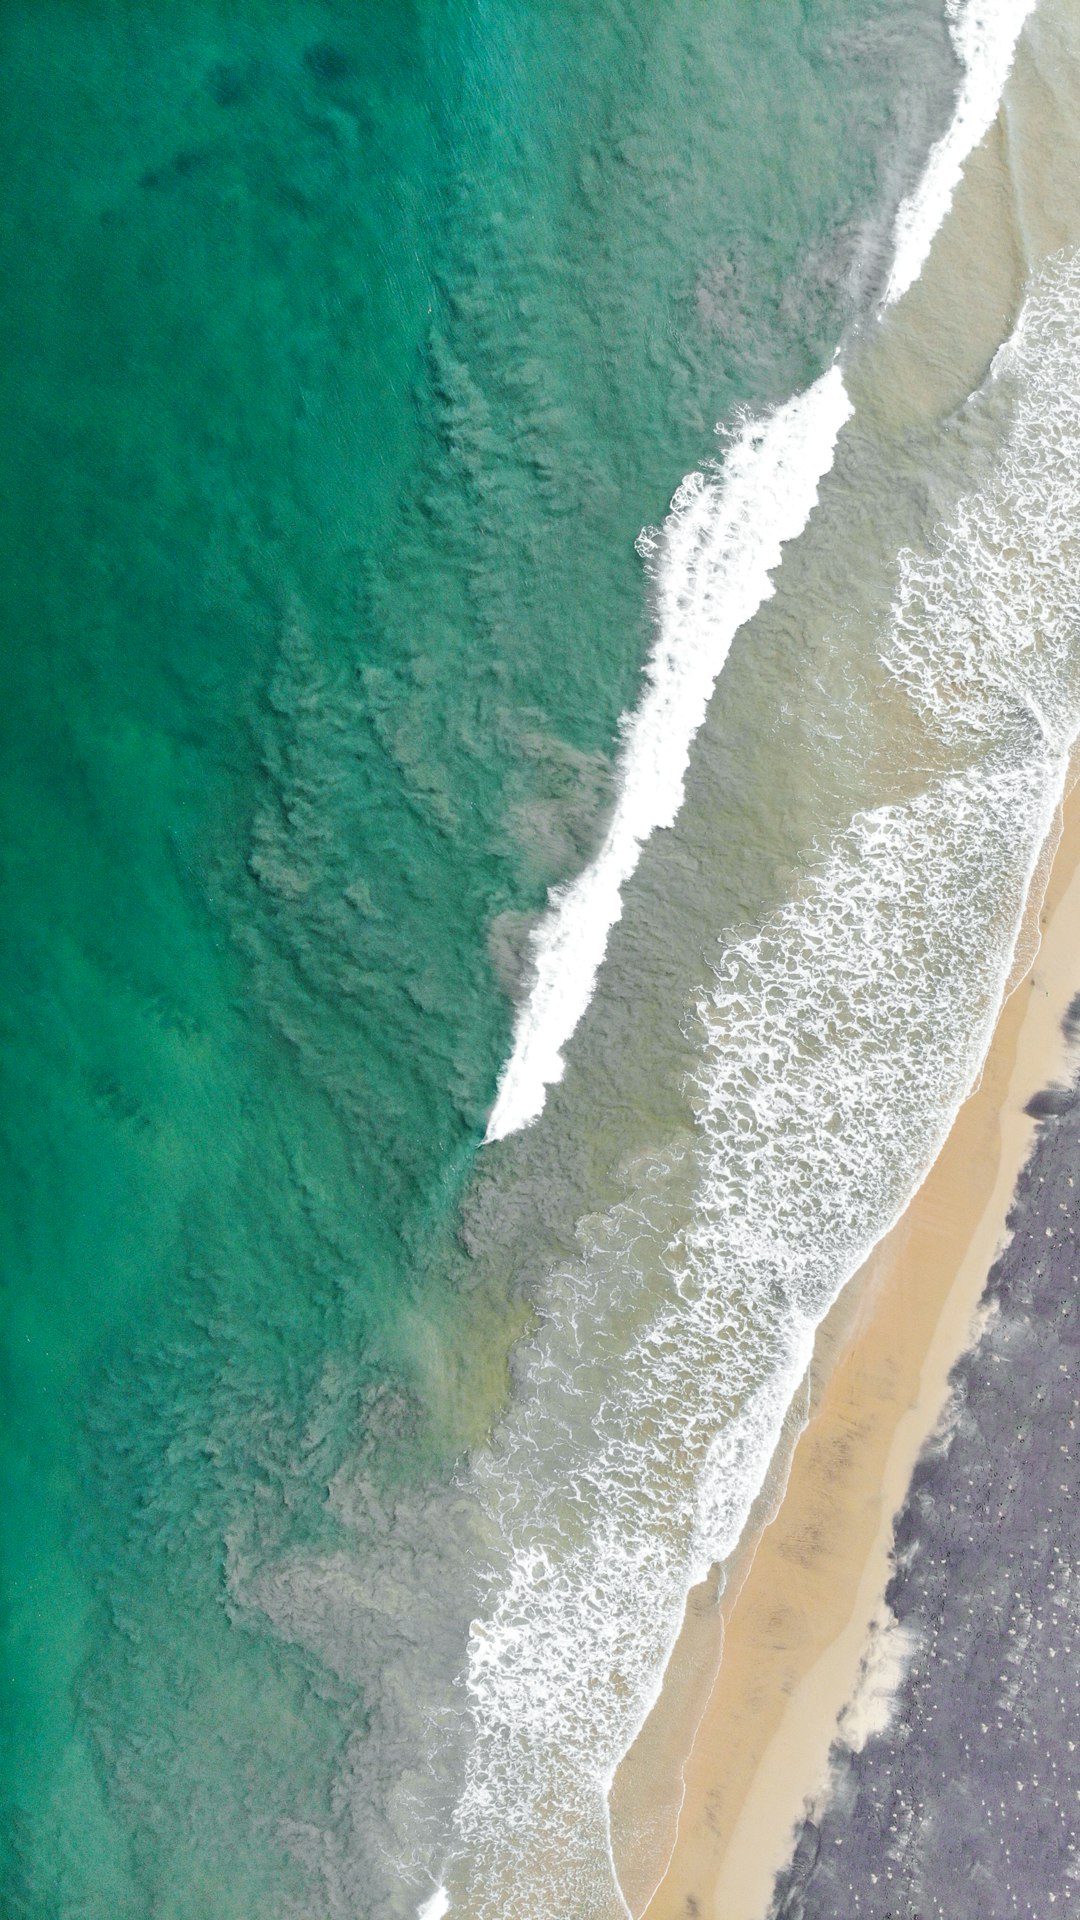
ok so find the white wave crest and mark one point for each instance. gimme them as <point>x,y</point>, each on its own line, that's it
<point>435,1907</point>
<point>838,1043</point>
<point>711,565</point>
<point>712,562</point>
<point>975,676</point>
<point>984,33</point>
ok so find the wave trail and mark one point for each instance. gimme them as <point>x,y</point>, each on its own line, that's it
<point>984,33</point>
<point>711,564</point>
<point>436,1906</point>
<point>837,1043</point>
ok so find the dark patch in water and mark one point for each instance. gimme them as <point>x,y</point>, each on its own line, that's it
<point>181,167</point>
<point>228,84</point>
<point>328,63</point>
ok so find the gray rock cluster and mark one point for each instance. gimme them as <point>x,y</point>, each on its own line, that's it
<point>968,1806</point>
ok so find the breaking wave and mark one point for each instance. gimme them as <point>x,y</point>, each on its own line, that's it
<point>836,1045</point>
<point>711,567</point>
<point>985,33</point>
<point>711,564</point>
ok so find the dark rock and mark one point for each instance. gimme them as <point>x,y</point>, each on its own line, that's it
<point>964,1808</point>
<point>1051,1100</point>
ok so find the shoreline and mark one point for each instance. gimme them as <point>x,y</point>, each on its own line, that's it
<point>799,1622</point>
<point>786,1637</point>
<point>961,1800</point>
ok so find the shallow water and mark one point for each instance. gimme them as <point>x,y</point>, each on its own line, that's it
<point>831,1053</point>
<point>349,355</point>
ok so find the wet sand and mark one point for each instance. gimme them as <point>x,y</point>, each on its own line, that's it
<point>961,1803</point>
<point>802,1612</point>
<point>760,1676</point>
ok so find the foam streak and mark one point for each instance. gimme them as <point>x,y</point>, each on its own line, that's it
<point>711,564</point>
<point>985,33</point>
<point>837,1043</point>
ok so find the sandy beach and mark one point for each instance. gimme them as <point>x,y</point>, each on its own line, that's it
<point>799,1639</point>
<point>960,1805</point>
<point>802,1614</point>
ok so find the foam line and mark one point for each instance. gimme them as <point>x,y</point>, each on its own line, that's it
<point>984,33</point>
<point>435,1907</point>
<point>837,1043</point>
<point>711,565</point>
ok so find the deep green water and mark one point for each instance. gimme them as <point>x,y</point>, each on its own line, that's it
<point>346,347</point>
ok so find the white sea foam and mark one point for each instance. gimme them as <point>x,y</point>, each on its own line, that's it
<point>985,33</point>
<point>436,1906</point>
<point>711,562</point>
<point>711,565</point>
<point>837,1044</point>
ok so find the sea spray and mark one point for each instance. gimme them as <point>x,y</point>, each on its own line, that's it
<point>444,318</point>
<point>711,565</point>
<point>836,1045</point>
<point>974,675</point>
<point>436,1906</point>
<point>985,33</point>
<point>625,1470</point>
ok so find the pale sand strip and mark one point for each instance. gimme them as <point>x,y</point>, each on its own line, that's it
<point>799,1596</point>
<point>798,1612</point>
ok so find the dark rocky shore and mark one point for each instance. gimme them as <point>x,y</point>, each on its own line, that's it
<point>968,1806</point>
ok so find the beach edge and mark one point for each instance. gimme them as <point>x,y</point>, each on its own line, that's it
<point>801,1615</point>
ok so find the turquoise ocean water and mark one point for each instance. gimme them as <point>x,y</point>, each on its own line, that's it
<point>346,348</point>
